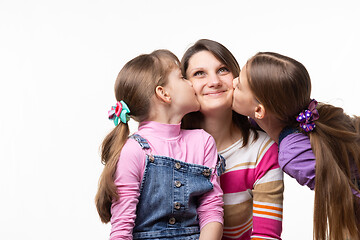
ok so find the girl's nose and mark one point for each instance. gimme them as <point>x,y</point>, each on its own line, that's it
<point>190,83</point>
<point>235,81</point>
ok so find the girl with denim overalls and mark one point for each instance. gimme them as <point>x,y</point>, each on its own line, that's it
<point>161,182</point>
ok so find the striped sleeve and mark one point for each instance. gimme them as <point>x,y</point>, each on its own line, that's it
<point>267,194</point>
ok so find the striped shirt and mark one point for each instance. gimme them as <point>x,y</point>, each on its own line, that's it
<point>253,190</point>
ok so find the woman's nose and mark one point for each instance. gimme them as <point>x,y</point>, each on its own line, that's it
<point>214,81</point>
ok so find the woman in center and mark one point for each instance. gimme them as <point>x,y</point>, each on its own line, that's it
<point>253,181</point>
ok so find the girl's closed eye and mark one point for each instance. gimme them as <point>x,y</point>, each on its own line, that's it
<point>238,83</point>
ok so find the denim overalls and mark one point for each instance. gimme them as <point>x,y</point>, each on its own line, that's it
<point>169,196</point>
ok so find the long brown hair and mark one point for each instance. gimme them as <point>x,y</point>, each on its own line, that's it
<point>135,85</point>
<point>194,119</point>
<point>283,86</point>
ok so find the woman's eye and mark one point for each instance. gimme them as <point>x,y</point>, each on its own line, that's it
<point>199,73</point>
<point>223,70</point>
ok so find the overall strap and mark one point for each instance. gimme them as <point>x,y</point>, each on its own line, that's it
<point>142,141</point>
<point>220,166</point>
<point>144,145</point>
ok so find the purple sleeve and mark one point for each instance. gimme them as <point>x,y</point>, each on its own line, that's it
<point>297,159</point>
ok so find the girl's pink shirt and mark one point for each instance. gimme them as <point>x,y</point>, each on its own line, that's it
<point>192,146</point>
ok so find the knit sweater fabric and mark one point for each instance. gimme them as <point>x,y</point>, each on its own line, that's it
<point>253,190</point>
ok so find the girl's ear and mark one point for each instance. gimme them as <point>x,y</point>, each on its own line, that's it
<point>259,111</point>
<point>162,94</point>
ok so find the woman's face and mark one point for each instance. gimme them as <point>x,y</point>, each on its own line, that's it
<point>244,101</point>
<point>212,82</point>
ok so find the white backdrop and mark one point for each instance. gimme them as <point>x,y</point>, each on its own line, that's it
<point>58,64</point>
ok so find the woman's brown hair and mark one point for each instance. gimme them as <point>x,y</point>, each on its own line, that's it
<point>283,86</point>
<point>193,120</point>
<point>135,85</point>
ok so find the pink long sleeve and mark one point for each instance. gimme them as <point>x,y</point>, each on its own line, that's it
<point>192,146</point>
<point>209,210</point>
<point>127,180</point>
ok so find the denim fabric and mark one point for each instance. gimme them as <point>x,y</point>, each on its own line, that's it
<point>220,166</point>
<point>169,196</point>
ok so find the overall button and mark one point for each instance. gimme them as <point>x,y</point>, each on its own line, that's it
<point>172,220</point>
<point>151,158</point>
<point>177,165</point>
<point>206,172</point>
<point>178,184</point>
<point>177,205</point>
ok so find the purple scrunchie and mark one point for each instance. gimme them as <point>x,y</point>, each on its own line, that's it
<point>307,117</point>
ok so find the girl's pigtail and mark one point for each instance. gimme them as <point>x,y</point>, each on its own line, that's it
<point>110,153</point>
<point>135,85</point>
<point>336,152</point>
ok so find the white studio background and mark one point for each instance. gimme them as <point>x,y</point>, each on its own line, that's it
<point>58,64</point>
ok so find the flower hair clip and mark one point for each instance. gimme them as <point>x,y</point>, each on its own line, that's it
<point>307,117</point>
<point>120,112</point>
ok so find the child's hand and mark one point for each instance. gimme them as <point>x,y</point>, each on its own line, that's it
<point>211,231</point>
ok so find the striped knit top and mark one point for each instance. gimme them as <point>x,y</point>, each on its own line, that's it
<point>253,190</point>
